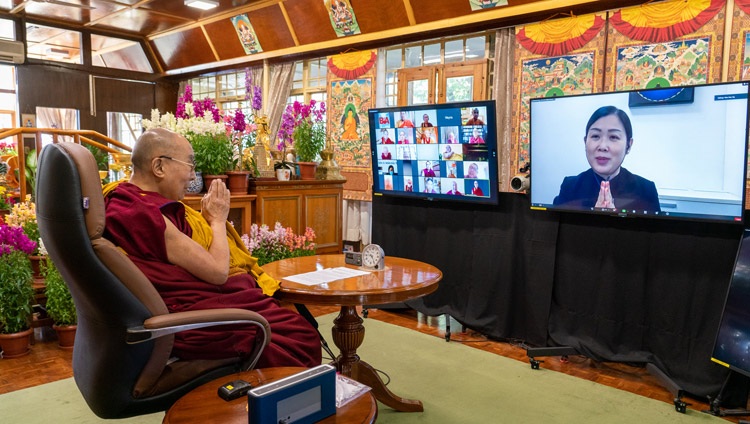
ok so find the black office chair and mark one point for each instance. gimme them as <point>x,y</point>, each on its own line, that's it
<point>121,357</point>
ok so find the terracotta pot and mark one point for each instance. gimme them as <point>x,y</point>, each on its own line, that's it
<point>237,181</point>
<point>15,345</point>
<point>66,335</point>
<point>207,179</point>
<point>307,170</point>
<point>36,269</point>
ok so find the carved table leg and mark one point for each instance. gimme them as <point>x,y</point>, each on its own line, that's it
<point>348,334</point>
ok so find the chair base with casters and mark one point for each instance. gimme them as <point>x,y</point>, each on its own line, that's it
<point>121,360</point>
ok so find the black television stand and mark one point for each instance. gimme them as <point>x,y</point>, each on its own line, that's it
<point>715,404</point>
<point>676,391</point>
<point>533,352</point>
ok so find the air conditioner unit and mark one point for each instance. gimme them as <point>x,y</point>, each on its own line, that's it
<point>12,51</point>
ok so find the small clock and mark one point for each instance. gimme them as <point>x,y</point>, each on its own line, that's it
<point>373,257</point>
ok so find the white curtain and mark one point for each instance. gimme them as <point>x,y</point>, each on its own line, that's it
<point>280,84</point>
<point>61,119</point>
<point>357,221</point>
<point>503,95</point>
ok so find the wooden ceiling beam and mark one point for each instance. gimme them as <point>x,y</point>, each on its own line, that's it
<point>500,15</point>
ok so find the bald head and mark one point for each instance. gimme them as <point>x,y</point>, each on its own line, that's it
<point>162,162</point>
<point>153,143</point>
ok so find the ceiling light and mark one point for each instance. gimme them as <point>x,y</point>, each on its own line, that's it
<point>202,4</point>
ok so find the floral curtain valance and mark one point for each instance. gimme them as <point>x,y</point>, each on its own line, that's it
<point>352,65</point>
<point>744,5</point>
<point>662,22</point>
<point>560,36</point>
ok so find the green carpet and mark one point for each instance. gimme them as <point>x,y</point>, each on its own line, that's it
<point>456,383</point>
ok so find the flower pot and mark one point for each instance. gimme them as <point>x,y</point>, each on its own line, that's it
<point>307,170</point>
<point>237,181</point>
<point>66,335</point>
<point>207,179</point>
<point>15,345</point>
<point>36,262</point>
<point>283,174</point>
<point>196,186</point>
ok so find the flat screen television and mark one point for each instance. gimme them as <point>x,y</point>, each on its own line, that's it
<point>732,344</point>
<point>435,152</point>
<point>682,156</point>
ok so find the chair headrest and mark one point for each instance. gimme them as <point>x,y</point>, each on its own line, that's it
<point>91,187</point>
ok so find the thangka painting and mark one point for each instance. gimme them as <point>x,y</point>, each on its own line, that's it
<point>693,58</point>
<point>246,33</point>
<point>553,58</point>
<point>683,62</point>
<point>486,4</point>
<point>739,49</point>
<point>549,77</point>
<point>739,55</point>
<point>348,103</point>
<point>342,17</point>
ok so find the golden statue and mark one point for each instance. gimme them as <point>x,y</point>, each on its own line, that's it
<point>262,147</point>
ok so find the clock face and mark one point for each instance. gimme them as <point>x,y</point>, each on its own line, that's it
<point>372,256</point>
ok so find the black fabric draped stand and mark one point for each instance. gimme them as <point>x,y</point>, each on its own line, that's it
<point>615,289</point>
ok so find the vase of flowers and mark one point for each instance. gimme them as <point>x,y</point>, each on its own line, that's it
<point>303,126</point>
<point>269,245</point>
<point>23,215</point>
<point>15,291</point>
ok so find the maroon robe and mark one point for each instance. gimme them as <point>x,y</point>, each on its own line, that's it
<point>135,222</point>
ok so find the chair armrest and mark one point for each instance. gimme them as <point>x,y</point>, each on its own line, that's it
<point>163,325</point>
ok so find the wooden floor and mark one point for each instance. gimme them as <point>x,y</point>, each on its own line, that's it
<point>47,362</point>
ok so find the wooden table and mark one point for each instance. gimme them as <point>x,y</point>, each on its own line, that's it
<point>400,280</point>
<point>240,209</point>
<point>203,404</point>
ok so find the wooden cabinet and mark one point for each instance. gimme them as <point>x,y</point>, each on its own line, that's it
<point>240,210</point>
<point>298,204</point>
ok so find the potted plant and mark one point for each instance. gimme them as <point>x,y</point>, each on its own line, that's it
<point>213,155</point>
<point>16,291</point>
<point>305,125</point>
<point>23,215</point>
<point>60,305</point>
<point>269,245</point>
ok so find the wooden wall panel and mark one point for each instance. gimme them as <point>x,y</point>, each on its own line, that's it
<point>224,38</point>
<point>116,95</point>
<point>183,49</point>
<point>374,16</point>
<point>271,28</point>
<point>310,22</point>
<point>435,10</point>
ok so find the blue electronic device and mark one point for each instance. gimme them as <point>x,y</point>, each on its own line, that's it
<point>302,398</point>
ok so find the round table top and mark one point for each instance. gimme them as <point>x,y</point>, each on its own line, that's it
<point>203,404</point>
<point>400,280</point>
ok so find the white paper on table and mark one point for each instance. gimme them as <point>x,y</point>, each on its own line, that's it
<point>325,275</point>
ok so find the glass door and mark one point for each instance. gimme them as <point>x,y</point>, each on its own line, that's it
<point>454,82</point>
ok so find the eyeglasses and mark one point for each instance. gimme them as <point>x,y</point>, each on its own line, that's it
<point>191,165</point>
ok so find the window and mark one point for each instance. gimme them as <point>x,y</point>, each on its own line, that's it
<point>309,81</point>
<point>226,89</point>
<point>124,127</point>
<point>50,43</point>
<point>425,84</point>
<point>118,53</point>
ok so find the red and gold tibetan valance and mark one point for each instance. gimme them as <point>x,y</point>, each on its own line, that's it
<point>744,5</point>
<point>560,36</point>
<point>352,65</point>
<point>661,22</point>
